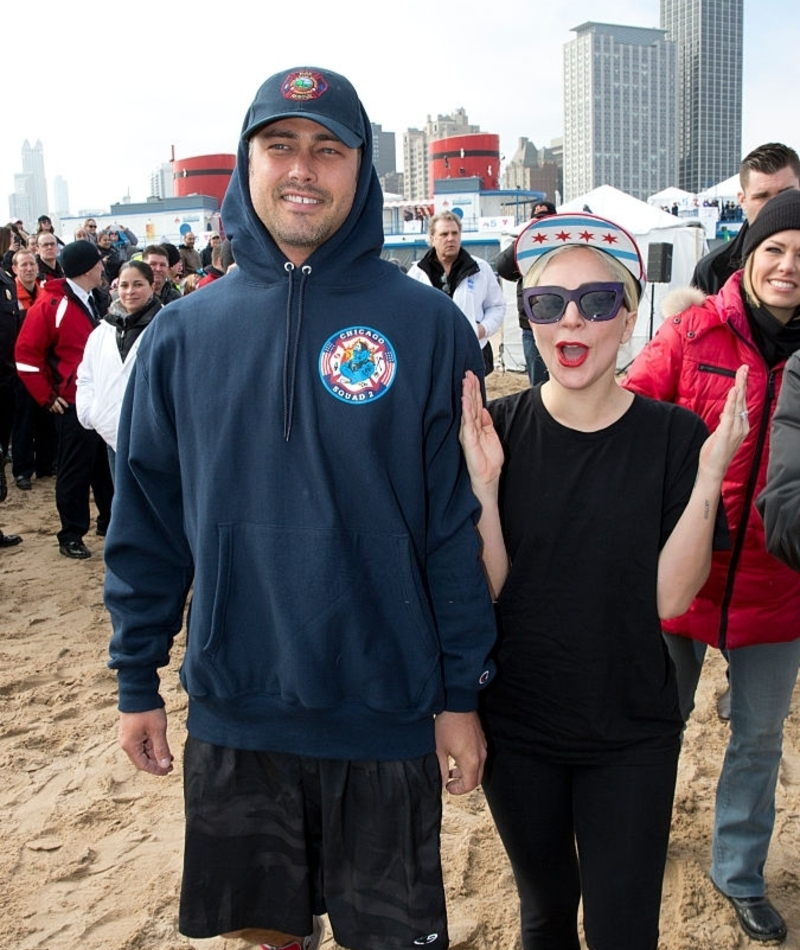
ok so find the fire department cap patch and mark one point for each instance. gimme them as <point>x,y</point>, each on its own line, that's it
<point>303,85</point>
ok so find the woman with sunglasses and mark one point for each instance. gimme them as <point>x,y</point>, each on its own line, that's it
<point>601,523</point>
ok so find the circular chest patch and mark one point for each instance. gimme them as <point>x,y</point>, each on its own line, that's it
<point>357,365</point>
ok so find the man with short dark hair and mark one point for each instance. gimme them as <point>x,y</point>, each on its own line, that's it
<point>190,257</point>
<point>214,270</point>
<point>47,256</point>
<point>157,257</point>
<point>764,173</point>
<point>48,352</point>
<point>288,449</point>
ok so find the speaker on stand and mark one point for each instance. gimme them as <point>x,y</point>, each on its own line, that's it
<point>659,271</point>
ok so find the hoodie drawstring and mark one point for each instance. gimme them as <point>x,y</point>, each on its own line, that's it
<point>291,345</point>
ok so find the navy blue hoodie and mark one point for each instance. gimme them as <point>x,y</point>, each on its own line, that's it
<point>289,446</point>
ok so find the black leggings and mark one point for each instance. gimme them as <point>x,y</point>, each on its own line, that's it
<point>598,831</point>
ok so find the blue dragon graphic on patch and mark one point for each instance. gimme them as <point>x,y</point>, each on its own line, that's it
<point>357,365</point>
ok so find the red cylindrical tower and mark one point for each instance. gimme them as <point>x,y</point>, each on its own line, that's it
<point>203,175</point>
<point>467,156</point>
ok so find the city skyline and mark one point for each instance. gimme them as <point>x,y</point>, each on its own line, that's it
<point>504,71</point>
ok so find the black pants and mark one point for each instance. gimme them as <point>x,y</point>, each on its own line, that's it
<point>33,436</point>
<point>82,465</point>
<point>598,831</point>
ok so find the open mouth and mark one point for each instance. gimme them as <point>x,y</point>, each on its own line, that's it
<point>572,354</point>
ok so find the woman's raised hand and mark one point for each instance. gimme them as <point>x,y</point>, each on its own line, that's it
<point>482,449</point>
<point>721,445</point>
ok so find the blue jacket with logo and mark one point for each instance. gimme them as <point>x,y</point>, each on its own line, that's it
<point>288,449</point>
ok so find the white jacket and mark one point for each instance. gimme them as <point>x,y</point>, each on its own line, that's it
<point>102,378</point>
<point>478,297</point>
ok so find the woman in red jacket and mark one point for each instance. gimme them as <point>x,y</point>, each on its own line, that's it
<point>750,605</point>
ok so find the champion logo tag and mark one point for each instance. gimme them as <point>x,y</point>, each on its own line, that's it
<point>357,365</point>
<point>303,85</point>
<point>425,941</point>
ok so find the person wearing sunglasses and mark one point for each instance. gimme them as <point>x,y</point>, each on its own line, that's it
<point>599,513</point>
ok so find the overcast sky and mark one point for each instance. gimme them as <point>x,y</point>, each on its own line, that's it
<point>110,87</point>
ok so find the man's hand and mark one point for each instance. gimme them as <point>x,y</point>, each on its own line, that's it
<point>143,737</point>
<point>459,736</point>
<point>58,405</point>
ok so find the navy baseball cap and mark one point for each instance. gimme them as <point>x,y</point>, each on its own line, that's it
<point>307,92</point>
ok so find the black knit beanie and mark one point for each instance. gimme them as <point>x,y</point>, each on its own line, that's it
<point>79,257</point>
<point>781,213</point>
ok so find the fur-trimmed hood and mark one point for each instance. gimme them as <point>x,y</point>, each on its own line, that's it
<point>680,299</point>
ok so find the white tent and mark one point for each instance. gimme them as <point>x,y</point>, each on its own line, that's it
<point>669,196</point>
<point>727,190</point>
<point>648,225</point>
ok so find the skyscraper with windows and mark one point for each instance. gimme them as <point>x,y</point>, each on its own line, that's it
<point>619,110</point>
<point>708,40</point>
<point>33,165</point>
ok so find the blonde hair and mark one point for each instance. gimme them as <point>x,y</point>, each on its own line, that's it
<point>618,272</point>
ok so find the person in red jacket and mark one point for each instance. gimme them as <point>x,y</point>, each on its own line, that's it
<point>750,605</point>
<point>48,352</point>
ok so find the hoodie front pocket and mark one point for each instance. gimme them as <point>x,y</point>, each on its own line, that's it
<point>317,617</point>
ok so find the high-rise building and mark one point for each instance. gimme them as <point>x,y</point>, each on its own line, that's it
<point>708,39</point>
<point>619,110</point>
<point>19,204</point>
<point>384,157</point>
<point>161,184</point>
<point>33,165</point>
<point>60,196</point>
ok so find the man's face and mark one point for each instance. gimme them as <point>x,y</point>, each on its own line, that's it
<point>96,275</point>
<point>446,241</point>
<point>761,187</point>
<point>26,269</point>
<point>48,248</point>
<point>189,240</point>
<point>302,184</point>
<point>160,267</point>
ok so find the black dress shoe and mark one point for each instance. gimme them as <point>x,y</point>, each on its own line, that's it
<point>23,482</point>
<point>76,549</point>
<point>9,540</point>
<point>759,919</point>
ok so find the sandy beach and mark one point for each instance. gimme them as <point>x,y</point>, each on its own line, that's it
<point>92,849</point>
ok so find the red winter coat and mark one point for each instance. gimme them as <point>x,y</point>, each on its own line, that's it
<point>51,342</point>
<point>749,597</point>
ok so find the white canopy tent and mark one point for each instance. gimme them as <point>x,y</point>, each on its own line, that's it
<point>648,225</point>
<point>727,190</point>
<point>669,196</point>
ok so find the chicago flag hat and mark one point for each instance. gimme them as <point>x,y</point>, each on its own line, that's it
<point>578,229</point>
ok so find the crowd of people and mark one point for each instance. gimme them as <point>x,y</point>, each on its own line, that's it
<point>411,590</point>
<point>54,295</point>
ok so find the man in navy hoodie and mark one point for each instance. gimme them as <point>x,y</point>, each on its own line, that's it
<point>289,449</point>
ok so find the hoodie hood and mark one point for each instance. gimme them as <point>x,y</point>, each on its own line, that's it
<point>361,234</point>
